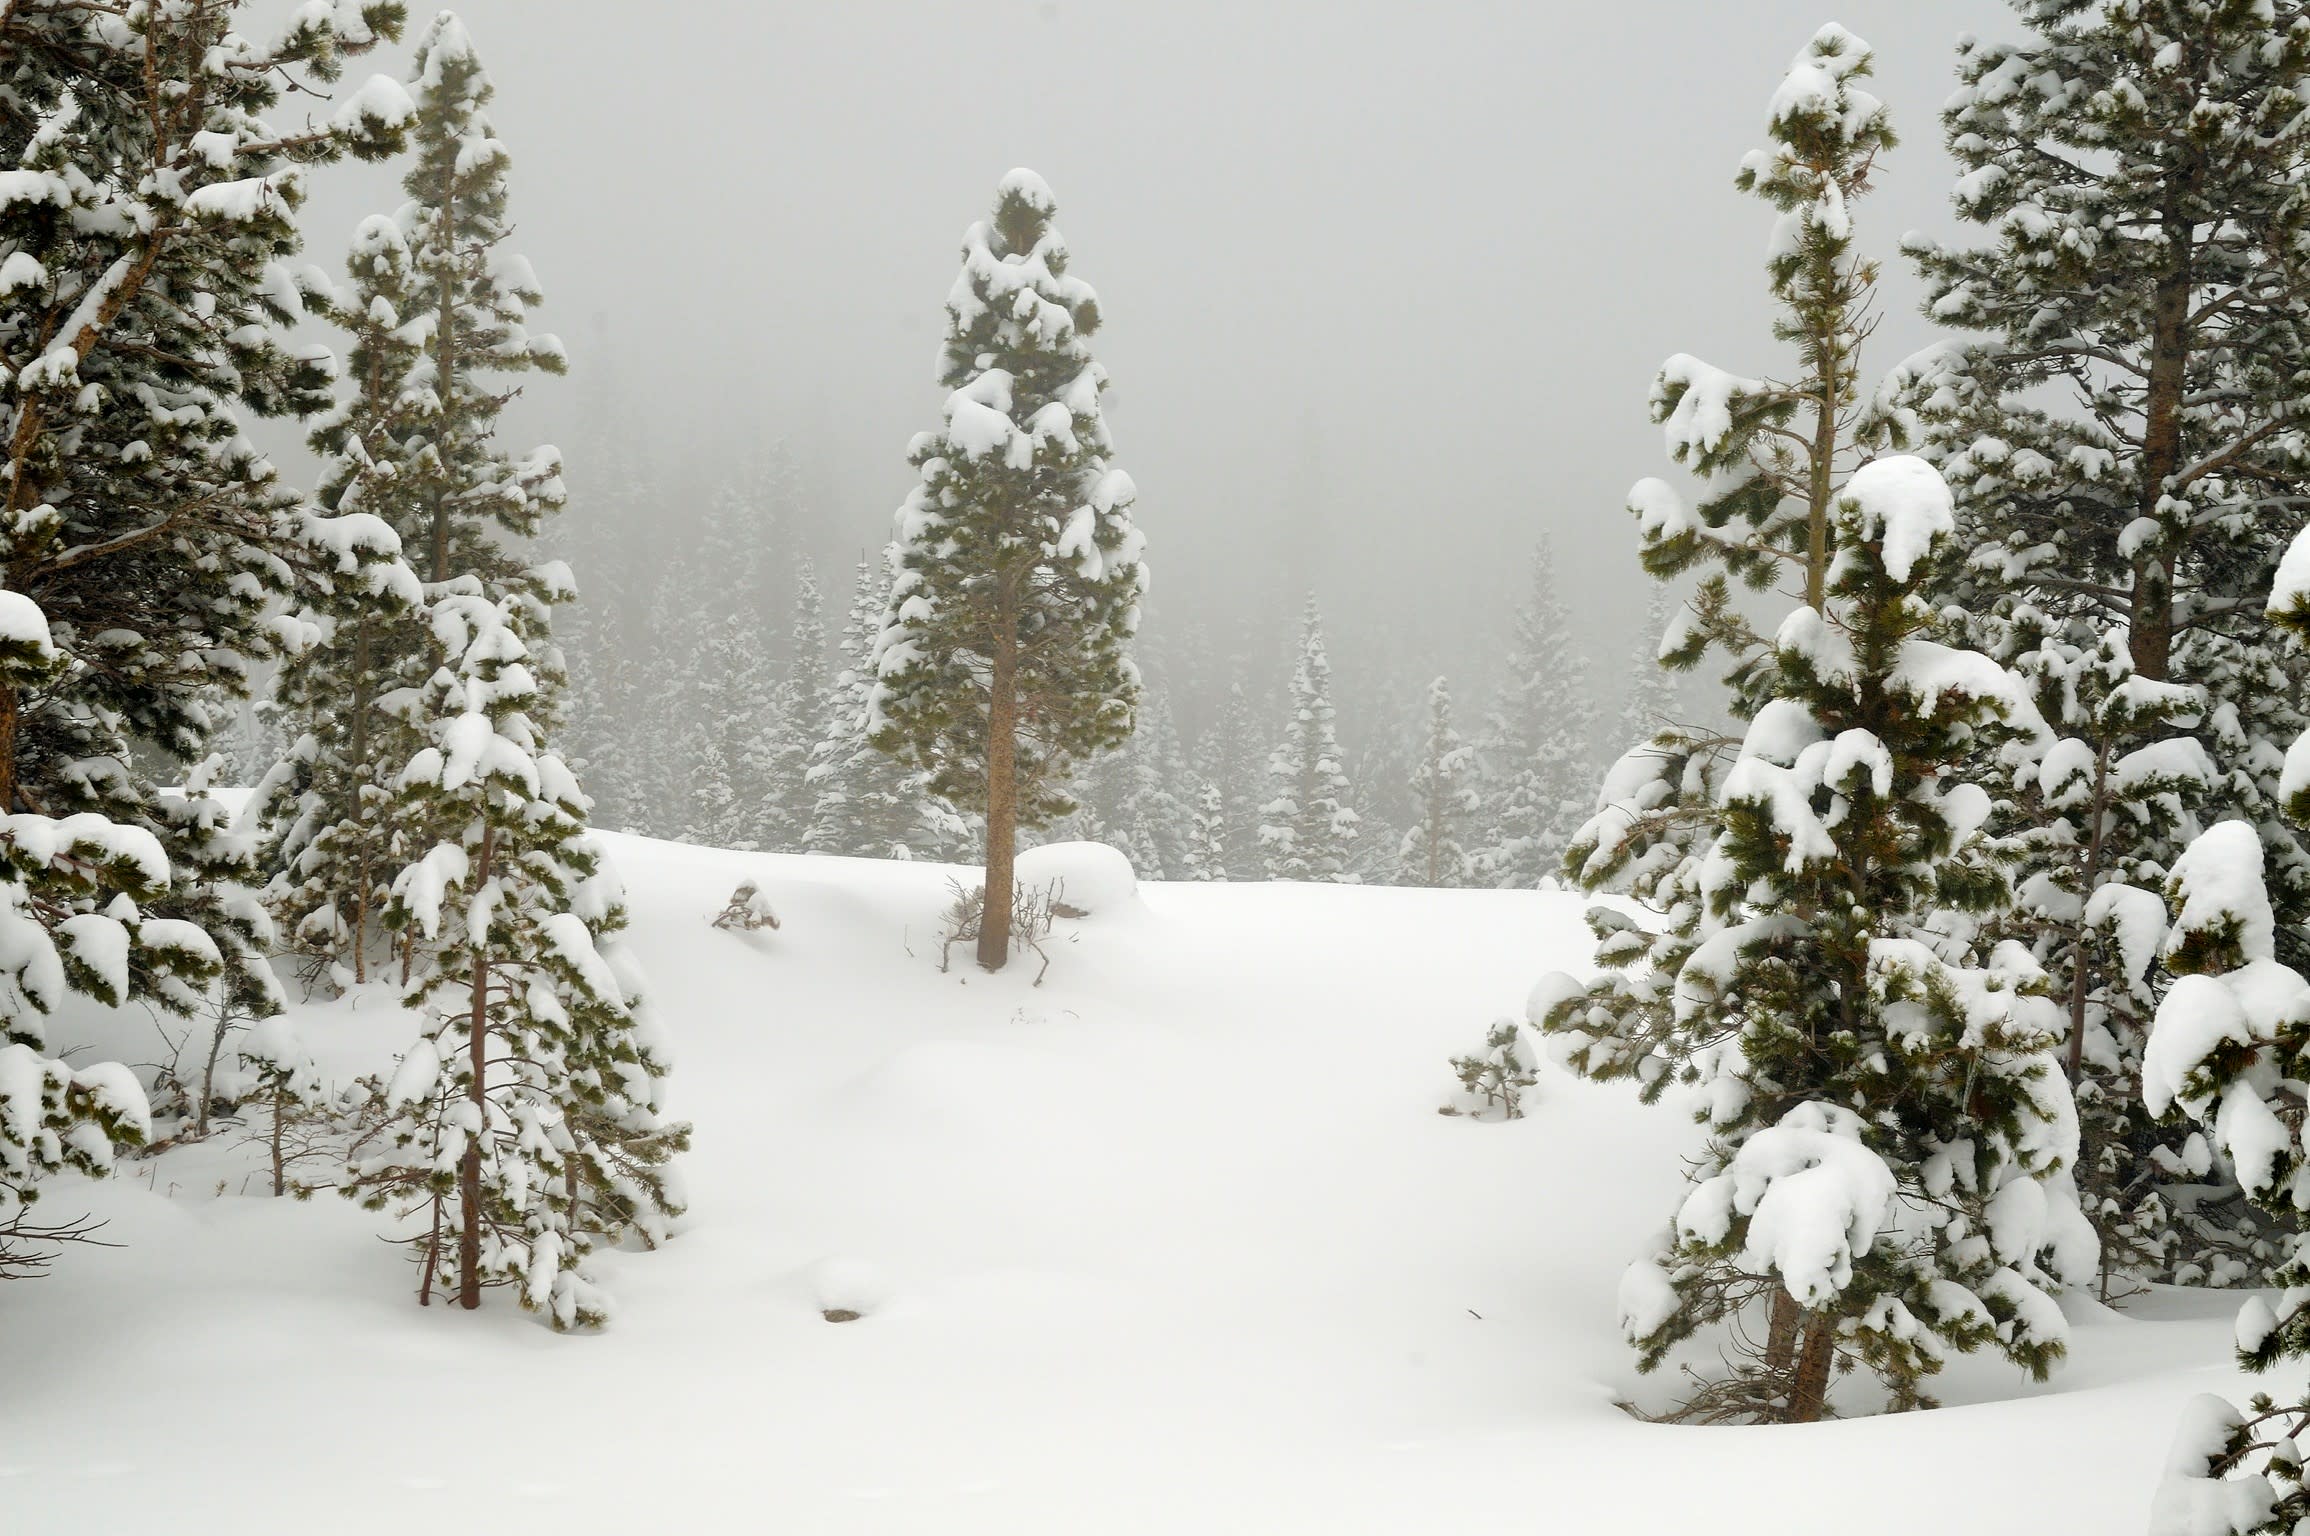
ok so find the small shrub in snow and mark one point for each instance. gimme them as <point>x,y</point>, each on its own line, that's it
<point>1494,1078</point>
<point>1033,909</point>
<point>748,910</point>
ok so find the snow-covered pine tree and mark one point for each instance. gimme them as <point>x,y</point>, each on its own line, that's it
<point>2122,427</point>
<point>1308,824</point>
<point>524,1124</point>
<point>865,802</point>
<point>1150,813</point>
<point>782,749</point>
<point>438,314</point>
<point>1206,856</point>
<point>1017,564</point>
<point>149,238</point>
<point>1232,759</point>
<point>733,696</point>
<point>1538,751</point>
<point>1649,705</point>
<point>1433,852</point>
<point>2225,1052</point>
<point>1890,1130</point>
<point>1771,457</point>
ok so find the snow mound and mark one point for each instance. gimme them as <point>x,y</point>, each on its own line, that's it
<point>1090,877</point>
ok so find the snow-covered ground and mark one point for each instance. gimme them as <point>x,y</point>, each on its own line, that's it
<point>1175,1242</point>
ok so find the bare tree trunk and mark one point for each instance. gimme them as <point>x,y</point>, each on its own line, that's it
<point>445,367</point>
<point>2150,634</point>
<point>1823,468</point>
<point>432,1256</point>
<point>11,708</point>
<point>1810,1396</point>
<point>477,1093</point>
<point>1781,1335</point>
<point>280,1164</point>
<point>361,706</point>
<point>1002,801</point>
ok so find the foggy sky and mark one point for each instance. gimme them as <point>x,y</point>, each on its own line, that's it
<point>1384,285</point>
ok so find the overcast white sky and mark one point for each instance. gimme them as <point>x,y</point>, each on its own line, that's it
<point>1385,284</point>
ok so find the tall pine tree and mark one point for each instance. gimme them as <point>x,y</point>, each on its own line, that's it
<point>150,244</point>
<point>2123,428</point>
<point>1017,564</point>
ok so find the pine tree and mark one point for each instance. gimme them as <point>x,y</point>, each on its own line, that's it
<point>1772,457</point>
<point>2122,427</point>
<point>524,1126</point>
<point>1206,856</point>
<point>1539,747</point>
<point>866,802</point>
<point>1308,825</point>
<point>438,315</point>
<point>1889,1125</point>
<point>150,240</point>
<point>783,750</point>
<point>1002,664</point>
<point>1432,853</point>
<point>1231,757</point>
<point>2222,1053</point>
<point>1650,705</point>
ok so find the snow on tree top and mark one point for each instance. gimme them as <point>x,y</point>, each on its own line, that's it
<point>1904,503</point>
<point>1028,188</point>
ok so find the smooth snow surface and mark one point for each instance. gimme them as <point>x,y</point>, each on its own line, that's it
<point>1174,1243</point>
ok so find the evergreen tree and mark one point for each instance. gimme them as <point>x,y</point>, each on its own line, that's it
<point>1432,853</point>
<point>1889,1125</point>
<point>1206,856</point>
<point>1771,457</point>
<point>1231,758</point>
<point>2122,426</point>
<point>150,242</point>
<point>1539,750</point>
<point>2224,1052</point>
<point>524,1126</point>
<point>438,314</point>
<point>1002,663</point>
<point>1308,824</point>
<point>866,802</point>
<point>782,752</point>
<point>1650,705</point>
<point>733,693</point>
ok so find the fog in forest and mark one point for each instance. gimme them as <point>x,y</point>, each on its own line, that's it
<point>1384,287</point>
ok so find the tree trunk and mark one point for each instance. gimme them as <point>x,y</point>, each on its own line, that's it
<point>2150,634</point>
<point>1781,1334</point>
<point>1810,1397</point>
<point>2075,1062</point>
<point>1823,471</point>
<point>1002,807</point>
<point>362,810</point>
<point>11,707</point>
<point>445,369</point>
<point>477,1093</point>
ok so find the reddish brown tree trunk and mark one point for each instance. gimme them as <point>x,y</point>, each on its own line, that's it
<point>477,1093</point>
<point>1810,1396</point>
<point>1002,807</point>
<point>2150,634</point>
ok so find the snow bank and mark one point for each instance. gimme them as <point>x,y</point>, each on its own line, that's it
<point>1090,877</point>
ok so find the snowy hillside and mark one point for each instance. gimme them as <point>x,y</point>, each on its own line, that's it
<point>1175,1242</point>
